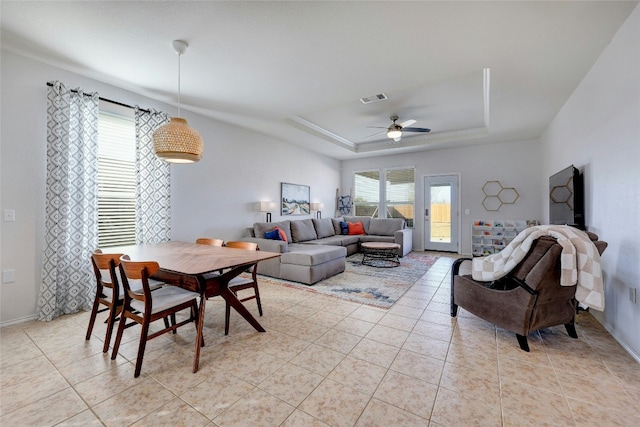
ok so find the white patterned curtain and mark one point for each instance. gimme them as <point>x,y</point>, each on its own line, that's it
<point>153,189</point>
<point>71,202</point>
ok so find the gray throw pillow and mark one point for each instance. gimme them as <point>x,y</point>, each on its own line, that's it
<point>303,230</point>
<point>324,227</point>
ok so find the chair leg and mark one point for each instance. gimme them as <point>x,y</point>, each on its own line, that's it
<point>110,323</point>
<point>141,347</point>
<point>92,319</point>
<point>571,329</point>
<point>454,309</point>
<point>116,344</point>
<point>258,299</point>
<point>522,340</point>
<point>173,322</point>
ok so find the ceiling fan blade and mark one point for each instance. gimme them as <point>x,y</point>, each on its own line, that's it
<point>407,123</point>
<point>377,127</point>
<point>415,130</point>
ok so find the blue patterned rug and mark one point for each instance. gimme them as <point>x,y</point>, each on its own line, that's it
<point>380,287</point>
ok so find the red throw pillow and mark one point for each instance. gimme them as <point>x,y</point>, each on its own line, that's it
<point>356,228</point>
<point>283,235</point>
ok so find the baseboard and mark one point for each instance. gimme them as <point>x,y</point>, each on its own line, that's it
<point>615,336</point>
<point>17,321</point>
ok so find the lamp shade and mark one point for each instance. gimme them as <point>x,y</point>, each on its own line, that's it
<point>317,206</point>
<point>176,142</point>
<point>267,206</point>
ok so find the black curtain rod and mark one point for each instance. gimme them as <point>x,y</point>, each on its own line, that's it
<point>107,100</point>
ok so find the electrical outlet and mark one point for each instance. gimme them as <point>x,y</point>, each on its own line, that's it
<point>9,215</point>
<point>633,295</point>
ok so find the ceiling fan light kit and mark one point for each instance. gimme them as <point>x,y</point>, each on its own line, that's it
<point>176,141</point>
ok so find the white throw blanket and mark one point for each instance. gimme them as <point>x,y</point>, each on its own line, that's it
<point>579,261</point>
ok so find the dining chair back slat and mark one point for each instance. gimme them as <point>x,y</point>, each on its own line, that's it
<point>208,241</point>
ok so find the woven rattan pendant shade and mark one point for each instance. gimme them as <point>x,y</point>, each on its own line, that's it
<point>176,142</point>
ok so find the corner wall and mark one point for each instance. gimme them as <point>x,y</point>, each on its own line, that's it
<point>598,131</point>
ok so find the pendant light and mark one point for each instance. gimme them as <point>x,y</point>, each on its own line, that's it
<point>175,141</point>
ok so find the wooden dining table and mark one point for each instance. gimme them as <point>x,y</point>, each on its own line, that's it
<point>190,266</point>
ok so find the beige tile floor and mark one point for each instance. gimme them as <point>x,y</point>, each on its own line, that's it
<point>323,362</point>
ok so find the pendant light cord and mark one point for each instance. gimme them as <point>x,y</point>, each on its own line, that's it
<point>179,55</point>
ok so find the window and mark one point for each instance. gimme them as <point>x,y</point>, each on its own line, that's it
<point>116,180</point>
<point>366,194</point>
<point>394,199</point>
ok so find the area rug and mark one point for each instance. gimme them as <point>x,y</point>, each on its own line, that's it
<point>380,287</point>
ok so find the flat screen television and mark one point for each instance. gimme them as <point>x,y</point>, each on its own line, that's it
<point>566,198</point>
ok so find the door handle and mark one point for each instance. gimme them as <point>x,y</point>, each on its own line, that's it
<point>426,212</point>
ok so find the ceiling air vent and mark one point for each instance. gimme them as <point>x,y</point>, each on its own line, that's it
<point>373,98</point>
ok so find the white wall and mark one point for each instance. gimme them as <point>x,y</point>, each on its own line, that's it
<point>217,197</point>
<point>515,164</point>
<point>598,130</point>
<point>212,197</point>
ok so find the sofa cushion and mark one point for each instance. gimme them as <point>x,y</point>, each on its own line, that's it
<point>336,225</point>
<point>310,255</point>
<point>364,219</point>
<point>324,227</point>
<point>356,228</point>
<point>385,226</point>
<point>303,230</point>
<point>259,228</point>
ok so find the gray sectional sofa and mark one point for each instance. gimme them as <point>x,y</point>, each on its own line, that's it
<point>316,249</point>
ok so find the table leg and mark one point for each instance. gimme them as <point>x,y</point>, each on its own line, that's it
<point>199,337</point>
<point>240,308</point>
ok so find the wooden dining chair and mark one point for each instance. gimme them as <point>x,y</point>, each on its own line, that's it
<point>109,292</point>
<point>239,283</point>
<point>145,307</point>
<point>208,241</point>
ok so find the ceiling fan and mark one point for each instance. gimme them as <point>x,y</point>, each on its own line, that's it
<point>394,131</point>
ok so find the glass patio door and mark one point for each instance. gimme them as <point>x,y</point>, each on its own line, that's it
<point>441,213</point>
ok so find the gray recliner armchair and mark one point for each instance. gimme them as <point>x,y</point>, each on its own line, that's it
<point>529,298</point>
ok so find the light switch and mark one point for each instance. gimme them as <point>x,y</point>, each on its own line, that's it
<point>8,276</point>
<point>9,215</point>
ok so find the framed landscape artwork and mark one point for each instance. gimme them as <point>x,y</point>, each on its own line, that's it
<point>295,199</point>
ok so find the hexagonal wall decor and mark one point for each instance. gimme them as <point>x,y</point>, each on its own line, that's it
<point>495,195</point>
<point>492,203</point>
<point>492,188</point>
<point>508,196</point>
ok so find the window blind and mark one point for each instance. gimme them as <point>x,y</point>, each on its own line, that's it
<point>366,193</point>
<point>116,181</point>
